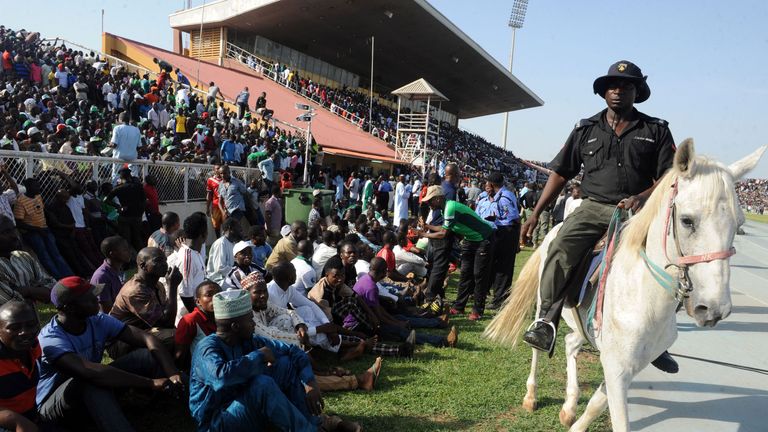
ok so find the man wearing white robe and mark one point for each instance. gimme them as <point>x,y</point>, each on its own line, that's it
<point>402,194</point>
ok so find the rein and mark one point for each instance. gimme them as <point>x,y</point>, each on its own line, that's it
<point>677,287</point>
<point>680,288</point>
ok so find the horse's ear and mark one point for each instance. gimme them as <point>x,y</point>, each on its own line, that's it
<point>740,168</point>
<point>684,157</point>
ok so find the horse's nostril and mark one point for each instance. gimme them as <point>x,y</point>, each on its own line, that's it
<point>701,309</point>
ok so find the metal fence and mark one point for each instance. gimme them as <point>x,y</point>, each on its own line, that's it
<point>176,182</point>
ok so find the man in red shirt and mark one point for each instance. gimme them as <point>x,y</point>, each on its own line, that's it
<point>196,325</point>
<point>154,218</point>
<point>212,209</point>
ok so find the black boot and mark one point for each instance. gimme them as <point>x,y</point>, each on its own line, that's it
<point>666,363</point>
<point>541,336</point>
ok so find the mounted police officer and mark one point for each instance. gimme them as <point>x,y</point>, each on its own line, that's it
<point>622,152</point>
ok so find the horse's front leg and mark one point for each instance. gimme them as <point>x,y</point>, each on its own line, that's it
<point>573,343</point>
<point>618,377</point>
<point>529,401</point>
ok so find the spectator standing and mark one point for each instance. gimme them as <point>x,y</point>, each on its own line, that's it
<point>190,260</point>
<point>212,208</point>
<point>273,216</point>
<point>476,252</point>
<point>232,195</point>
<point>125,142</point>
<point>133,200</point>
<point>242,102</point>
<point>213,93</point>
<point>8,196</point>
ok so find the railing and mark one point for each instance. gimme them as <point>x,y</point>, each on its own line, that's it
<point>267,69</point>
<point>176,181</point>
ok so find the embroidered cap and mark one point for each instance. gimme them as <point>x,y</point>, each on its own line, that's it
<point>231,304</point>
<point>252,279</point>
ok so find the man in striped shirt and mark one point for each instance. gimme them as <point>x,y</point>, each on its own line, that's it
<point>19,375</point>
<point>21,275</point>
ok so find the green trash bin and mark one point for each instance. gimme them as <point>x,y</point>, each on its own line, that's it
<point>298,203</point>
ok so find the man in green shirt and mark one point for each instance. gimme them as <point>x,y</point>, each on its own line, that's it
<point>476,249</point>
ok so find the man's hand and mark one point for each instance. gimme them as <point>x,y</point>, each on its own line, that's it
<point>634,203</point>
<point>314,399</point>
<point>269,357</point>
<point>174,276</point>
<point>301,333</point>
<point>526,231</point>
<point>160,384</point>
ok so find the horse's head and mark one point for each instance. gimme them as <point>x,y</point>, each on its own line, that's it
<point>703,224</point>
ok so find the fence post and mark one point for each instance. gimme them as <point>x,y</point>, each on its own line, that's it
<point>30,167</point>
<point>186,185</point>
<point>95,171</point>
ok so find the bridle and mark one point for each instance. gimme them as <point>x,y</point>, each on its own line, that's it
<point>679,288</point>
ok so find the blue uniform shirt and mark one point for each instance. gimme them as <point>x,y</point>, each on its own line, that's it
<point>503,206</point>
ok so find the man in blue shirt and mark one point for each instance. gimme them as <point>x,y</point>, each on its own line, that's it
<point>240,381</point>
<point>228,150</point>
<point>71,371</point>
<point>232,194</point>
<point>499,205</point>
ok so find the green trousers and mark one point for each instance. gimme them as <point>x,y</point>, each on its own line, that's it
<point>578,235</point>
<point>542,228</point>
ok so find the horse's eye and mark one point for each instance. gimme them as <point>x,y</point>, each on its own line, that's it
<point>687,222</point>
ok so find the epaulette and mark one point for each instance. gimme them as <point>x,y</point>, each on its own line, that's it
<point>658,121</point>
<point>584,123</point>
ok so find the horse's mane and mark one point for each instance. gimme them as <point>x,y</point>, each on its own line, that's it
<point>717,184</point>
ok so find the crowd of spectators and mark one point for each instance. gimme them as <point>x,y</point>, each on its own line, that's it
<point>753,195</point>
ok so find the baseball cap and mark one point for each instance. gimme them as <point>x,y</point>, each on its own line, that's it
<point>432,192</point>
<point>70,288</point>
<point>33,130</point>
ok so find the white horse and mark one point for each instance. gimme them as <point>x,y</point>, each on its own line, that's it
<point>689,221</point>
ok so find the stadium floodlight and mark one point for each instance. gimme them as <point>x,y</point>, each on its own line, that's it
<point>519,7</point>
<point>305,117</point>
<point>301,106</point>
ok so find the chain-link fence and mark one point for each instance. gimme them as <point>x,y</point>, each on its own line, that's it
<point>176,182</point>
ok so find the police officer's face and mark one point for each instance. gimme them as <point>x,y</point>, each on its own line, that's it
<point>620,94</point>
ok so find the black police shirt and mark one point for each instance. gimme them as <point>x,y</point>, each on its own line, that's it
<point>616,167</point>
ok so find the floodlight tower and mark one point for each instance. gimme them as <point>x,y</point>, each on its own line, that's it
<point>516,19</point>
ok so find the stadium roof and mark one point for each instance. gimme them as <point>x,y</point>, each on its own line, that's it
<point>413,40</point>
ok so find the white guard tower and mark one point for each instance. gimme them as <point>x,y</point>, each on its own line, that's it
<point>415,130</point>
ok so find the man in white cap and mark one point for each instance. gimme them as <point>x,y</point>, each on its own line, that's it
<point>244,266</point>
<point>240,381</point>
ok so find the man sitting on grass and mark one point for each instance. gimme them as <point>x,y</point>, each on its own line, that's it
<point>241,381</point>
<point>243,266</point>
<point>117,253</point>
<point>72,376</point>
<point>142,302</point>
<point>19,374</point>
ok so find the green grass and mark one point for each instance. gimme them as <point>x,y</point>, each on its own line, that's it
<point>477,387</point>
<point>757,217</point>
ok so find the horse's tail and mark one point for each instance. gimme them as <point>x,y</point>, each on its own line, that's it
<point>507,324</point>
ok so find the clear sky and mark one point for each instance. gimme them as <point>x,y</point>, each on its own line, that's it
<point>706,60</point>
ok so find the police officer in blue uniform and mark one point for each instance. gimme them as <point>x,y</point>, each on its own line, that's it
<point>499,205</point>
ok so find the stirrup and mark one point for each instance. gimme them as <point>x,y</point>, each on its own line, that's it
<point>552,326</point>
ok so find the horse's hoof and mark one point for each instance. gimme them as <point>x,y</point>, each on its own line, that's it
<point>567,419</point>
<point>530,405</point>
